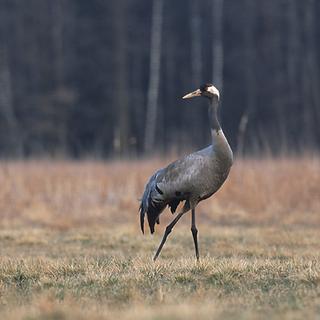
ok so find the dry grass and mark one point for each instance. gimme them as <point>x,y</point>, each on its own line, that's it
<point>71,247</point>
<point>68,194</point>
<point>246,272</point>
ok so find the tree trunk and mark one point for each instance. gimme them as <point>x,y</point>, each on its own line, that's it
<point>121,92</point>
<point>196,50</point>
<point>154,76</point>
<point>195,118</point>
<point>12,143</point>
<point>311,114</point>
<point>57,36</point>
<point>217,49</point>
<point>249,75</point>
<point>293,51</point>
<point>62,96</point>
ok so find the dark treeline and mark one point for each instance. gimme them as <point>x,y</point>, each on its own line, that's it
<point>105,78</point>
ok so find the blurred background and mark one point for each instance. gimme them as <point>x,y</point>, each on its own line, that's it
<point>105,78</point>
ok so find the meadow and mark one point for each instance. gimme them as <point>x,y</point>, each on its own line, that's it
<point>71,247</point>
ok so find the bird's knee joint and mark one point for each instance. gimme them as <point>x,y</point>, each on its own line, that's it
<point>194,230</point>
<point>168,230</point>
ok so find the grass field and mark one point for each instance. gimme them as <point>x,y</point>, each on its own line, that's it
<point>71,247</point>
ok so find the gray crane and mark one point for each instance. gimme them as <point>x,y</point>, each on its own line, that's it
<point>191,179</point>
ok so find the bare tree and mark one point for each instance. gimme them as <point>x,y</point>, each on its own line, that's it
<point>62,97</point>
<point>293,50</point>
<point>121,100</point>
<point>249,75</point>
<point>217,43</point>
<point>11,140</point>
<point>57,36</point>
<point>196,47</point>
<point>154,75</point>
<point>13,144</point>
<point>194,118</point>
<point>311,112</point>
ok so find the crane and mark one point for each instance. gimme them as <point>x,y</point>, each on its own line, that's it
<point>191,179</point>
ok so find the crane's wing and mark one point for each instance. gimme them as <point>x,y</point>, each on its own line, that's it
<point>169,186</point>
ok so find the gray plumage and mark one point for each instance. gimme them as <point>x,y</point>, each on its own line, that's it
<point>190,179</point>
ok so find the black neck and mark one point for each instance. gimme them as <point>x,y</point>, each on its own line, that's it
<point>213,114</point>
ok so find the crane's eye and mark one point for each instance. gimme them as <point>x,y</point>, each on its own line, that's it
<point>203,88</point>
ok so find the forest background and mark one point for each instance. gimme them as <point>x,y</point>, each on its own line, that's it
<point>105,78</point>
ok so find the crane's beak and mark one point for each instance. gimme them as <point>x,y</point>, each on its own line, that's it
<point>193,94</point>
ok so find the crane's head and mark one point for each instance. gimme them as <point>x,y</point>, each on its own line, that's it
<point>207,90</point>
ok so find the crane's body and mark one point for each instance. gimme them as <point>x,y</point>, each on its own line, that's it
<point>191,179</point>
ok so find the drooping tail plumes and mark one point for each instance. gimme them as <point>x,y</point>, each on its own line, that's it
<point>152,203</point>
<point>155,199</point>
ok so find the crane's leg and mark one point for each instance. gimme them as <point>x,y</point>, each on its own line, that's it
<point>168,230</point>
<point>194,231</point>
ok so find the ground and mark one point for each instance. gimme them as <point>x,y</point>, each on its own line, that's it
<point>71,247</point>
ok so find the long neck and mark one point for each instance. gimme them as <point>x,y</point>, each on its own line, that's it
<point>219,141</point>
<point>213,116</point>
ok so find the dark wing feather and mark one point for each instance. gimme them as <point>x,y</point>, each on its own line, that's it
<point>152,203</point>
<point>174,204</point>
